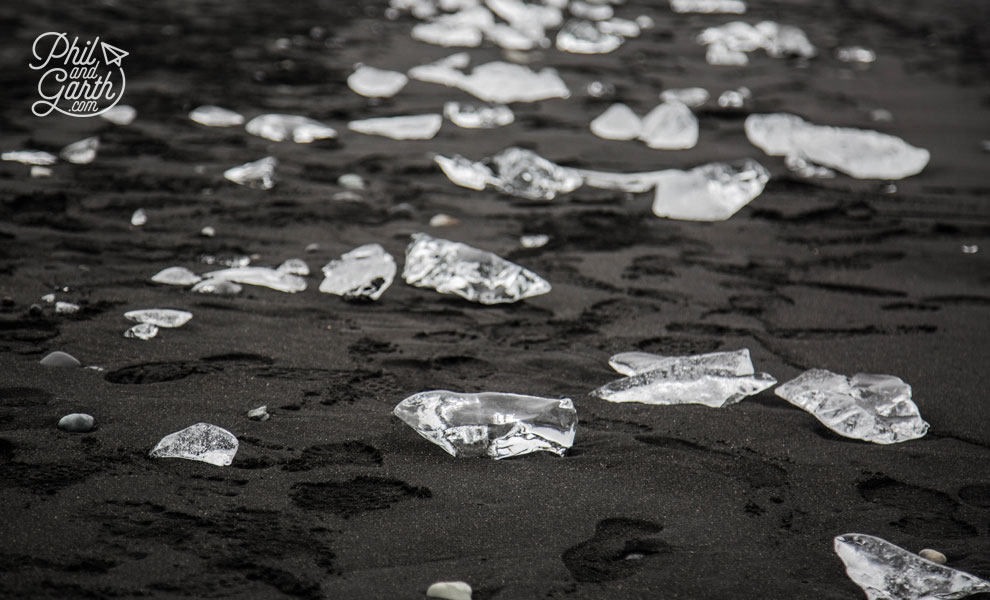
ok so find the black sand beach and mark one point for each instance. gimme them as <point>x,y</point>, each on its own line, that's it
<point>335,498</point>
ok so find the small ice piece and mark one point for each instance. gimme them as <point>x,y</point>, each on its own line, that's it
<point>139,217</point>
<point>259,414</point>
<point>162,317</point>
<point>598,89</point>
<point>301,130</point>
<point>464,172</point>
<point>623,27</point>
<point>712,192</point>
<point>216,116</point>
<point>525,174</point>
<point>66,308</point>
<point>860,153</point>
<point>476,275</point>
<point>693,96</point>
<point>39,171</point>
<point>618,122</point>
<point>720,55</point>
<point>881,115</point>
<point>808,170</point>
<point>261,276</point>
<point>727,44</point>
<point>734,98</point>
<point>888,572</point>
<point>30,157</point>
<point>716,380</point>
<point>49,298</point>
<point>532,20</point>
<point>60,359</point>
<point>856,54</point>
<point>970,249</point>
<point>77,423</point>
<point>364,273</point>
<point>508,38</point>
<point>785,40</point>
<point>442,220</point>
<point>413,127</point>
<point>736,7</point>
<point>208,231</point>
<point>295,266</point>
<point>122,114</point>
<point>176,276</point>
<point>491,424</point>
<point>259,175</point>
<point>82,152</point>
<point>219,287</point>
<point>874,408</point>
<point>448,34</point>
<point>142,331</point>
<point>351,181</point>
<point>474,116</point>
<point>497,82</point>
<point>536,240</point>
<point>202,441</point>
<point>584,37</point>
<point>449,590</point>
<point>376,83</point>
<point>670,126</point>
<point>592,12</point>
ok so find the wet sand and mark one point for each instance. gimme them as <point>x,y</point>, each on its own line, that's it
<point>335,498</point>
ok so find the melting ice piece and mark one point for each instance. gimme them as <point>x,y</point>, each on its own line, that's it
<point>497,82</point>
<point>727,44</point>
<point>734,98</point>
<point>473,116</point>
<point>618,122</point>
<point>443,220</point>
<point>364,273</point>
<point>856,54</point>
<point>259,175</point>
<point>888,572</point>
<point>490,424</point>
<point>414,127</point>
<point>66,308</point>
<point>720,55</point>
<point>216,116</point>
<point>536,240</point>
<point>592,12</point>
<point>30,157</point>
<point>785,40</point>
<point>875,408</point>
<point>712,192</point>
<point>162,317</point>
<point>860,153</point>
<point>302,130</point>
<point>447,34</point>
<point>737,35</point>
<point>261,276</point>
<point>142,331</point>
<point>122,114</point>
<point>82,152</point>
<point>509,38</point>
<point>623,27</point>
<point>806,169</point>
<point>476,275</point>
<point>693,96</point>
<point>202,441</point>
<point>716,380</point>
<point>670,126</point>
<point>39,171</point>
<point>532,20</point>
<point>295,266</point>
<point>376,83</point>
<point>736,7</point>
<point>176,276</point>
<point>526,174</point>
<point>139,217</point>
<point>584,37</point>
<point>464,172</point>
<point>220,287</point>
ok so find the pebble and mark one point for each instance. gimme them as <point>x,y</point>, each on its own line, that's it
<point>451,590</point>
<point>933,555</point>
<point>77,423</point>
<point>442,220</point>
<point>259,414</point>
<point>60,359</point>
<point>208,231</point>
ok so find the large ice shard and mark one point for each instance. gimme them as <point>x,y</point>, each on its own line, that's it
<point>202,441</point>
<point>875,408</point>
<point>473,116</point>
<point>376,83</point>
<point>476,275</point>
<point>618,122</point>
<point>888,572</point>
<point>216,116</point>
<point>585,37</point>
<point>259,174</point>
<point>412,127</point>
<point>261,276</point>
<point>301,130</point>
<point>670,126</point>
<point>497,82</point>
<point>82,152</point>
<point>160,317</point>
<point>364,273</point>
<point>860,153</point>
<point>717,379</point>
<point>712,192</point>
<point>491,424</point>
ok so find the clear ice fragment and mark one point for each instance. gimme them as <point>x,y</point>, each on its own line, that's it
<point>364,273</point>
<point>162,317</point>
<point>670,126</point>
<point>60,359</point>
<point>734,98</point>
<point>413,127</point>
<point>693,96</point>
<point>82,152</point>
<point>491,424</point>
<point>376,83</point>
<point>202,441</point>
<point>261,276</point>
<point>301,130</point>
<point>736,7</point>
<point>712,192</point>
<point>584,37</point>
<point>618,122</point>
<point>216,116</point>
<point>536,240</point>
<point>219,287</point>
<point>122,114</point>
<point>497,82</point>
<point>464,172</point>
<point>294,266</point>
<point>30,157</point>
<point>66,308</point>
<point>176,276</point>
<point>142,331</point>
<point>874,408</point>
<point>259,175</point>
<point>526,174</point>
<point>474,116</point>
<point>736,362</point>
<point>888,572</point>
<point>476,275</point>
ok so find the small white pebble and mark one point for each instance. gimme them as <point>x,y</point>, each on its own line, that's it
<point>933,555</point>
<point>451,590</point>
<point>66,308</point>
<point>537,240</point>
<point>77,423</point>
<point>40,171</point>
<point>314,247</point>
<point>208,231</point>
<point>139,217</point>
<point>351,181</point>
<point>442,220</point>
<point>259,414</point>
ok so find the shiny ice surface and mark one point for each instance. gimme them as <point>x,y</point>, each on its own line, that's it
<point>670,126</point>
<point>202,441</point>
<point>618,122</point>
<point>712,192</point>
<point>161,317</point>
<point>363,273</point>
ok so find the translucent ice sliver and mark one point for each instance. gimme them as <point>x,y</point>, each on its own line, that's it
<point>30,157</point>
<point>259,174</point>
<point>376,83</point>
<point>491,424</point>
<point>160,317</point>
<point>413,127</point>
<point>299,129</point>
<point>82,152</point>
<point>497,82</point>
<point>216,116</point>
<point>514,171</point>
<point>363,273</point>
<point>260,276</point>
<point>202,442</point>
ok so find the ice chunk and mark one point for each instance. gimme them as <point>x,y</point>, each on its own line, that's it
<point>142,331</point>
<point>532,20</point>
<point>259,175</point>
<point>39,171</point>
<point>473,116</point>
<point>351,181</point>
<point>623,27</point>
<point>720,55</point>
<point>727,44</point>
<point>476,275</point>
<point>464,172</point>
<point>734,98</point>
<point>508,38</point>
<point>259,414</point>
<point>526,174</point>
<point>715,380</point>
<point>295,266</point>
<point>693,96</point>
<point>261,276</point>
<point>122,114</point>
<point>162,317</point>
<point>592,12</point>
<point>447,34</point>
<point>856,54</point>
<point>497,82</point>
<point>785,40</point>
<point>176,276</point>
<point>60,359</point>
<point>216,116</point>
<point>618,122</point>
<point>301,130</point>
<point>712,192</point>
<point>536,240</point>
<point>449,590</point>
<point>77,423</point>
<point>66,308</point>
<point>208,231</point>
<point>139,217</point>
<point>584,37</point>
<point>443,220</point>
<point>875,408</point>
<point>736,7</point>
<point>376,83</point>
<point>414,127</point>
<point>737,35</point>
<point>364,273</point>
<point>888,572</point>
<point>220,287</point>
<point>30,157</point>
<point>490,424</point>
<point>202,441</point>
<point>670,126</point>
<point>860,153</point>
<point>82,152</point>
